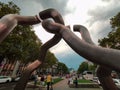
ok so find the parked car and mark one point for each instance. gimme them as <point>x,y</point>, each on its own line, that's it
<point>88,75</point>
<point>95,79</point>
<point>117,82</point>
<point>5,79</point>
<point>15,79</point>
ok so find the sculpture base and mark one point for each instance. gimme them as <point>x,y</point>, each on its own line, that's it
<point>85,85</point>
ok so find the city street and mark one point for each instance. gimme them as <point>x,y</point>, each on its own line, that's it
<point>62,85</point>
<point>7,86</point>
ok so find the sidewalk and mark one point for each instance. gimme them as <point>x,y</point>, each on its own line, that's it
<point>62,85</point>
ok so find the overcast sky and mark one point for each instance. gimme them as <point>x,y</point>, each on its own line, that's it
<point>93,14</point>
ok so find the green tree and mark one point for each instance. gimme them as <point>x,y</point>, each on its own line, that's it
<point>93,68</point>
<point>22,43</point>
<point>62,68</point>
<point>113,38</point>
<point>50,59</point>
<point>8,8</point>
<point>83,67</point>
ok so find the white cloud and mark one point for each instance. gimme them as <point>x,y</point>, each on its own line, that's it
<point>94,15</point>
<point>79,11</point>
<point>62,47</point>
<point>99,18</point>
<point>42,34</point>
<point>99,30</point>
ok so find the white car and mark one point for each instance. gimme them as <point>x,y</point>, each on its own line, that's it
<point>17,78</point>
<point>117,82</point>
<point>95,79</point>
<point>5,79</point>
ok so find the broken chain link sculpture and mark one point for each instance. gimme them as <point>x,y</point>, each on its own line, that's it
<point>9,22</point>
<point>103,56</point>
<point>86,48</point>
<point>49,13</point>
<point>103,73</point>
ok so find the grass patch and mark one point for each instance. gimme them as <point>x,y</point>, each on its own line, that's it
<point>84,81</point>
<point>57,80</point>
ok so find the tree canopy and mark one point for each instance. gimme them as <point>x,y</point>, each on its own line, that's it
<point>84,66</point>
<point>62,68</point>
<point>113,38</point>
<point>22,43</point>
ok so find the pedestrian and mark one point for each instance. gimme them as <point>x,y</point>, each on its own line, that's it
<point>42,80</point>
<point>35,78</point>
<point>49,81</point>
<point>70,80</point>
<point>76,82</point>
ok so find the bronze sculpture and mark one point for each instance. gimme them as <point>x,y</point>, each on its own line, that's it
<point>89,51</point>
<point>103,73</point>
<point>49,13</point>
<point>106,56</point>
<point>86,50</point>
<point>10,21</point>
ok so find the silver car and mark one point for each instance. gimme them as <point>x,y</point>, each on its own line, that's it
<point>117,82</point>
<point>5,79</point>
<point>95,79</point>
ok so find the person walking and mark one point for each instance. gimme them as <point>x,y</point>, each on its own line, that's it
<point>42,80</point>
<point>76,82</point>
<point>49,81</point>
<point>35,80</point>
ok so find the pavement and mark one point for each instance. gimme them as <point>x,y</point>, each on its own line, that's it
<point>62,85</point>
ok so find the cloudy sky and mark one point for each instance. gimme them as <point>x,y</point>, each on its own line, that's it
<point>93,14</point>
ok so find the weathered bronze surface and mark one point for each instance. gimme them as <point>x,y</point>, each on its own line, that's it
<point>86,48</point>
<point>103,73</point>
<point>107,57</point>
<point>10,21</point>
<point>49,13</point>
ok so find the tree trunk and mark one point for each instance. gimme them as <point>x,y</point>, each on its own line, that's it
<point>15,69</point>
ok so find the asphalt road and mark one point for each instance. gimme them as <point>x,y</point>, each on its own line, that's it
<point>59,86</point>
<point>7,86</point>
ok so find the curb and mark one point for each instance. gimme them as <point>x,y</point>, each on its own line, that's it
<point>85,85</point>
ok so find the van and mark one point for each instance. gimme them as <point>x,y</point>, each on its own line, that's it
<point>88,75</point>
